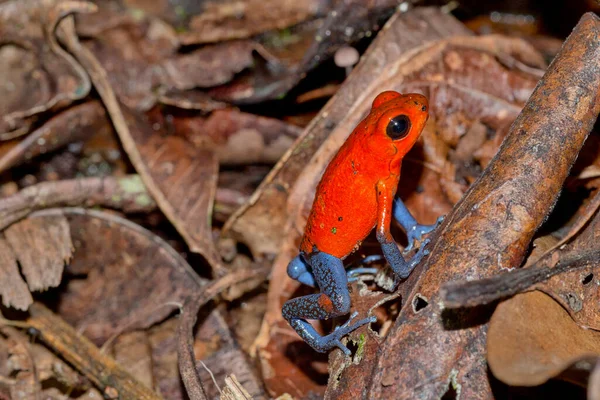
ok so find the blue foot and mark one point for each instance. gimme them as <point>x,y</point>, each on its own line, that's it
<point>334,338</point>
<point>417,231</point>
<point>353,274</point>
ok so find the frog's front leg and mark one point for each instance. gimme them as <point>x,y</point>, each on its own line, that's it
<point>333,301</point>
<point>414,230</point>
<point>399,265</point>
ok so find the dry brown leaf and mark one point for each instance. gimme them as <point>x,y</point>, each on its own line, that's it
<point>231,19</point>
<point>132,350</point>
<point>532,339</point>
<point>106,292</point>
<point>46,77</point>
<point>13,288</point>
<point>72,125</point>
<point>41,248</point>
<point>142,62</point>
<point>181,179</point>
<point>239,138</point>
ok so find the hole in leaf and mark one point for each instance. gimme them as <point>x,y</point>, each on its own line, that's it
<point>451,393</point>
<point>352,346</point>
<point>419,303</point>
<point>588,278</point>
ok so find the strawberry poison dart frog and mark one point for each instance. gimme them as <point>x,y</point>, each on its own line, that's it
<point>356,194</point>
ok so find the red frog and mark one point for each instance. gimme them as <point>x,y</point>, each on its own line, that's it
<point>356,194</point>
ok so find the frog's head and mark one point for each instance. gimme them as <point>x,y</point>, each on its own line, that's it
<point>397,120</point>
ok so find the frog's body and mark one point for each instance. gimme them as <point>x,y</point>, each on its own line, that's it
<point>356,194</point>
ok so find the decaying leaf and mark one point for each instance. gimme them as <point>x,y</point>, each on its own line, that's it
<point>143,64</point>
<point>46,77</point>
<point>225,20</point>
<point>12,287</point>
<point>106,292</point>
<point>239,138</point>
<point>74,124</point>
<point>41,248</point>
<point>532,339</point>
<point>181,179</point>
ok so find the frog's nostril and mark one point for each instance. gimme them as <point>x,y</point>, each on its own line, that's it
<point>424,108</point>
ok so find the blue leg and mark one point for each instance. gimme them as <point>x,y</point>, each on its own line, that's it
<point>399,265</point>
<point>333,301</point>
<point>299,270</point>
<point>414,231</point>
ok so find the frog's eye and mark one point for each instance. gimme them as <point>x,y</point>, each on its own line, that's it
<point>398,127</point>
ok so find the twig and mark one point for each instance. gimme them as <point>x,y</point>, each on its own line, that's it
<point>484,291</point>
<point>185,332</point>
<point>101,370</point>
<point>127,193</point>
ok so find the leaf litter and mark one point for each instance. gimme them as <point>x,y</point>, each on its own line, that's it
<point>151,169</point>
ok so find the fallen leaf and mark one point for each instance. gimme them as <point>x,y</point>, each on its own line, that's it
<point>72,125</point>
<point>46,77</point>
<point>41,248</point>
<point>106,292</point>
<point>180,178</point>
<point>532,339</point>
<point>239,138</point>
<point>226,20</point>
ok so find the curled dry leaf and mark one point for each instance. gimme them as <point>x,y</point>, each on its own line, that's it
<point>41,248</point>
<point>138,61</point>
<point>238,137</point>
<point>26,384</point>
<point>39,75</point>
<point>182,179</point>
<point>226,20</point>
<point>532,339</point>
<point>505,207</point>
<point>143,63</point>
<point>106,292</point>
<point>72,125</point>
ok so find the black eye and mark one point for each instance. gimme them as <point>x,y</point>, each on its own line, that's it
<point>398,127</point>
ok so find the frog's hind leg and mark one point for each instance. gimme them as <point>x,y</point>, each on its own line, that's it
<point>333,301</point>
<point>299,270</point>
